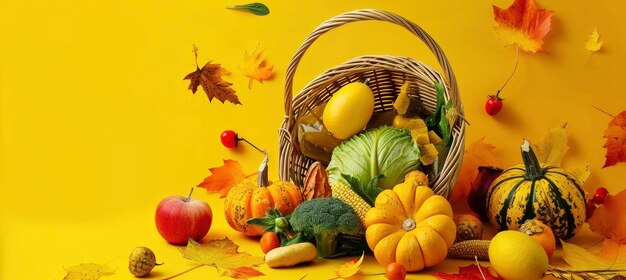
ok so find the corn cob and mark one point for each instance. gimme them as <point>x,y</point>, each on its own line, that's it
<point>348,196</point>
<point>469,249</point>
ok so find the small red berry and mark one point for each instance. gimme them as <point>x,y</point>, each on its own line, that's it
<point>493,105</point>
<point>229,139</point>
<point>590,208</point>
<point>600,195</point>
<point>395,271</point>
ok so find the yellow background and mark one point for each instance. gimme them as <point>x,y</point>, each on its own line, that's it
<point>97,125</point>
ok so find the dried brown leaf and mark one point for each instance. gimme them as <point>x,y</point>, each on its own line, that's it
<point>316,182</point>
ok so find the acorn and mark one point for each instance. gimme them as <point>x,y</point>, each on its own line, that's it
<point>141,261</point>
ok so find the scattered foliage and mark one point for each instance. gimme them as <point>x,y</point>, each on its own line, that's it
<point>87,271</point>
<point>523,24</point>
<point>210,78</point>
<point>224,177</point>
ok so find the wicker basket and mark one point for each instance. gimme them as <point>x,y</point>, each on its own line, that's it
<point>386,74</point>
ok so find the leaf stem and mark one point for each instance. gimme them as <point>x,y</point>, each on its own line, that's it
<point>603,111</point>
<point>179,274</point>
<point>513,72</point>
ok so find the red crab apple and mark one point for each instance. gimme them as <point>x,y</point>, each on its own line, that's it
<point>179,218</point>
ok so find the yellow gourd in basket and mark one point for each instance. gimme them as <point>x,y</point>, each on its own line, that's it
<point>349,110</point>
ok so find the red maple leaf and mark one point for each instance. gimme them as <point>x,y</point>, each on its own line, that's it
<point>470,272</point>
<point>523,24</point>
<point>615,143</point>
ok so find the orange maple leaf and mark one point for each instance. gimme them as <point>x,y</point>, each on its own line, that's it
<point>210,78</point>
<point>610,218</point>
<point>242,272</point>
<point>615,143</point>
<point>349,268</point>
<point>256,67</point>
<point>224,177</point>
<point>523,24</point>
<point>476,154</point>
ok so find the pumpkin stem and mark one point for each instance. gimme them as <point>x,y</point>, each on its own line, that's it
<point>408,224</point>
<point>533,168</point>
<point>262,180</point>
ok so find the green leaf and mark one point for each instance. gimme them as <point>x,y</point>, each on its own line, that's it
<point>258,9</point>
<point>384,151</point>
<point>444,126</point>
<point>372,189</point>
<point>355,185</point>
<point>433,120</point>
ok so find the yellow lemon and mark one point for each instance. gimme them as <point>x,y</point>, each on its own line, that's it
<point>516,256</point>
<point>348,110</point>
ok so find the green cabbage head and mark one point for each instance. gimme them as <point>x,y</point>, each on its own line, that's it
<point>385,150</point>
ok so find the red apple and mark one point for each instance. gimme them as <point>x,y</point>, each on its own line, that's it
<point>178,218</point>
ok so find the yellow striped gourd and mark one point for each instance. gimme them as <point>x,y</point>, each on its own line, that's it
<point>533,191</point>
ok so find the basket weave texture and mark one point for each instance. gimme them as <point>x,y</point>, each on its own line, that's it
<point>386,75</point>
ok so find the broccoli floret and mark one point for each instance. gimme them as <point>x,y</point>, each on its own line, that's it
<point>328,221</point>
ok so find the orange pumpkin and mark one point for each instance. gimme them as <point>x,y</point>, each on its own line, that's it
<point>248,200</point>
<point>541,233</point>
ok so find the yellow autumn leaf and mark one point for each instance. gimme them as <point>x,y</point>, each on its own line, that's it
<point>221,253</point>
<point>614,254</point>
<point>256,66</point>
<point>88,271</point>
<point>350,268</point>
<point>593,43</point>
<point>580,258</point>
<point>553,147</point>
<point>581,175</point>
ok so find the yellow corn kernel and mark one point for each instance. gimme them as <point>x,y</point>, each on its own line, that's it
<point>348,196</point>
<point>469,249</point>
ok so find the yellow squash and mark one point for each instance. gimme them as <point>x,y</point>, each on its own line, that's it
<point>410,225</point>
<point>348,110</point>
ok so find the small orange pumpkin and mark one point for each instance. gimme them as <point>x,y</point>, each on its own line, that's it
<point>541,233</point>
<point>248,200</point>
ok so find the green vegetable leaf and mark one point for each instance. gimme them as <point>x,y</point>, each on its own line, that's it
<point>433,120</point>
<point>368,192</point>
<point>268,222</point>
<point>386,151</point>
<point>444,125</point>
<point>258,9</point>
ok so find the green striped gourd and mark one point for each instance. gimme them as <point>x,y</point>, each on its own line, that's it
<point>533,191</point>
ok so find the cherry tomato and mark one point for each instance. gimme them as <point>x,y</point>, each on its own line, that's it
<point>229,139</point>
<point>493,105</point>
<point>395,271</point>
<point>590,208</point>
<point>600,195</point>
<point>269,241</point>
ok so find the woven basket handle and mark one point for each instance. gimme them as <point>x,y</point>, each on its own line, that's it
<point>368,14</point>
